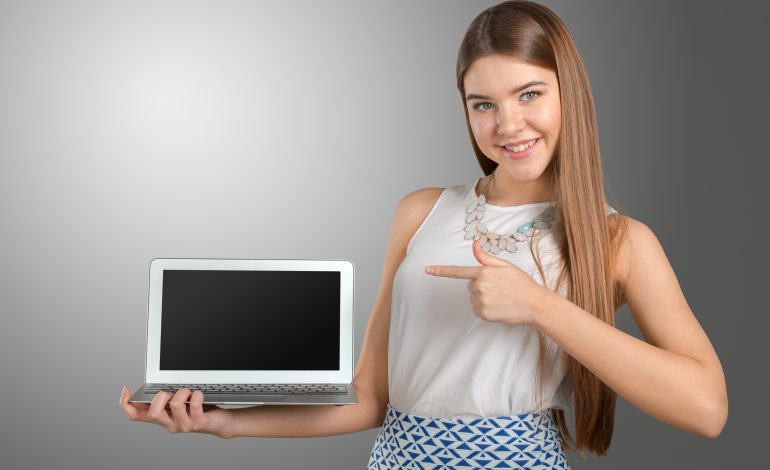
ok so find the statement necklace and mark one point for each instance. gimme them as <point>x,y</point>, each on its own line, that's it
<point>495,243</point>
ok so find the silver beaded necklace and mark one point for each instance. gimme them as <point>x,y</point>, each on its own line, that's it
<point>495,243</point>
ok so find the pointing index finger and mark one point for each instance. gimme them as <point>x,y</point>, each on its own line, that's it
<point>457,272</point>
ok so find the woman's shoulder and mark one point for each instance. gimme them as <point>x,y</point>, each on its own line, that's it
<point>634,238</point>
<point>411,211</point>
<point>422,200</point>
<point>417,203</point>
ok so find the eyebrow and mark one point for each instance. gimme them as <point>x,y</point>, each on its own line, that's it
<point>513,92</point>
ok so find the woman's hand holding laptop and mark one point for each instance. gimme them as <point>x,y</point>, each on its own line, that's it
<point>171,412</point>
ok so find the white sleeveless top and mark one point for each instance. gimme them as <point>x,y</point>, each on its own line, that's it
<point>443,360</point>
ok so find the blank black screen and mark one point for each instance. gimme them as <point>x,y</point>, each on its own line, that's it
<point>250,320</point>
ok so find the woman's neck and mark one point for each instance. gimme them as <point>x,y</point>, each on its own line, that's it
<point>505,192</point>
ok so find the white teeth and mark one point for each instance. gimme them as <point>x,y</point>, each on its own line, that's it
<point>522,147</point>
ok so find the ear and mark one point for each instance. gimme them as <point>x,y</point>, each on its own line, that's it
<point>488,259</point>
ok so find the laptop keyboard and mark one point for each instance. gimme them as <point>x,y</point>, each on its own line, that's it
<point>271,389</point>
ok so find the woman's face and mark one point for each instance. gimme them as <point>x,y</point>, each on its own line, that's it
<point>506,107</point>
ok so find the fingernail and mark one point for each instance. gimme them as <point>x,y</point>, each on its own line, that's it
<point>429,269</point>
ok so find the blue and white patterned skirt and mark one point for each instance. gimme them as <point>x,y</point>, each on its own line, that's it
<point>528,440</point>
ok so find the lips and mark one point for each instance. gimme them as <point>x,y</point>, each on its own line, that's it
<point>523,154</point>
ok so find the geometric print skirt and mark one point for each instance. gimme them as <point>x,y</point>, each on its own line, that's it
<point>528,440</point>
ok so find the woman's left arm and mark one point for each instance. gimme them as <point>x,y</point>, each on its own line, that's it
<point>675,376</point>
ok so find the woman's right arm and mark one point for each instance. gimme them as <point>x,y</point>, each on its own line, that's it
<point>370,380</point>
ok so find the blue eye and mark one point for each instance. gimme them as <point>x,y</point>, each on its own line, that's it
<point>478,106</point>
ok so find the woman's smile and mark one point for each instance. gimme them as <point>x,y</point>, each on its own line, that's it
<point>511,152</point>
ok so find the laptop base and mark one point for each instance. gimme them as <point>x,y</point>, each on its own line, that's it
<point>347,396</point>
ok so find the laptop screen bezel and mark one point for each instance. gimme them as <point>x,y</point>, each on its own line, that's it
<point>153,373</point>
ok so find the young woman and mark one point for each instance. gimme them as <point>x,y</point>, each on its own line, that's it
<point>495,312</point>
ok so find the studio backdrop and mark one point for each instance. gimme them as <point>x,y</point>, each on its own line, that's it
<point>132,130</point>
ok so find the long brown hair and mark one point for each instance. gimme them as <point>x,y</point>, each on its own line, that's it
<point>588,240</point>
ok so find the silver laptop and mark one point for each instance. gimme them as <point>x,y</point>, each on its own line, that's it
<point>251,332</point>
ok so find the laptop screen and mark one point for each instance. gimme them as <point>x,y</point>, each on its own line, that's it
<point>250,320</point>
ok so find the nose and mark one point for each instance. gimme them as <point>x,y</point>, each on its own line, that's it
<point>509,120</point>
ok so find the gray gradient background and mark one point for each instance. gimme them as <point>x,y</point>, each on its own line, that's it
<point>135,130</point>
